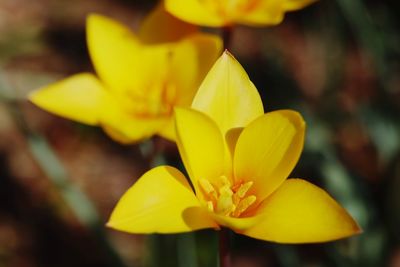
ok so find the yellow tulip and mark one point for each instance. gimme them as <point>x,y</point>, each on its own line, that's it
<point>141,77</point>
<point>218,13</point>
<point>238,160</point>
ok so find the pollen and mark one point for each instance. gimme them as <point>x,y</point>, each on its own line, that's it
<point>225,198</point>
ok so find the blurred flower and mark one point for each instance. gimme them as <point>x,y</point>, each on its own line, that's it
<point>238,160</point>
<point>141,78</point>
<point>217,13</point>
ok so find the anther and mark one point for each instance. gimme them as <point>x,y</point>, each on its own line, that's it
<point>226,199</point>
<point>244,204</point>
<point>206,186</point>
<point>224,181</point>
<point>241,192</point>
<point>210,206</point>
<point>236,186</point>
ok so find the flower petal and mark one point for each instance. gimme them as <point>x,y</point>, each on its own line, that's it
<point>200,144</point>
<point>300,212</point>
<point>291,5</point>
<point>231,138</point>
<point>125,127</point>
<point>267,12</point>
<point>168,131</point>
<point>228,96</point>
<point>238,225</point>
<point>159,202</point>
<point>172,29</point>
<point>270,12</point>
<point>268,149</point>
<point>114,52</point>
<point>193,11</point>
<point>192,59</point>
<point>137,73</point>
<point>79,98</point>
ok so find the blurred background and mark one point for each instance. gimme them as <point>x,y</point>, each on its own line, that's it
<point>337,62</point>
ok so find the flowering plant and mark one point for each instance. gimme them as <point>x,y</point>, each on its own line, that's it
<point>141,77</point>
<point>218,13</point>
<point>238,160</point>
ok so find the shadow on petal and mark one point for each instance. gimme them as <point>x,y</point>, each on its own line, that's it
<point>197,217</point>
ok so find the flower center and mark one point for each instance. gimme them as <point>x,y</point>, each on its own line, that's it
<point>157,100</point>
<point>155,94</point>
<point>227,199</point>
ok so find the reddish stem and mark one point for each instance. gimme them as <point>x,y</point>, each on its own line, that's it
<point>224,255</point>
<point>227,36</point>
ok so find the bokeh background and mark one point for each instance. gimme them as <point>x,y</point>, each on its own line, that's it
<point>337,62</point>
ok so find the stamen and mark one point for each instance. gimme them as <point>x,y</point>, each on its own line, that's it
<point>236,186</point>
<point>206,186</point>
<point>210,206</point>
<point>244,204</point>
<point>226,199</point>
<point>224,181</point>
<point>244,188</point>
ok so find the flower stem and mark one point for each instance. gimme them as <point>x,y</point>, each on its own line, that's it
<point>227,36</point>
<point>224,255</point>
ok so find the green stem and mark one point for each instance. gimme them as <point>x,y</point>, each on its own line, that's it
<point>77,201</point>
<point>187,256</point>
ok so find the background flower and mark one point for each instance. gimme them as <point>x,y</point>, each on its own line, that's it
<point>141,77</point>
<point>223,13</point>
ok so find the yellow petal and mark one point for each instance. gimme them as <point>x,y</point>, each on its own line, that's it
<point>137,73</point>
<point>209,49</point>
<point>79,98</point>
<point>200,145</point>
<point>267,12</point>
<point>300,212</point>
<point>193,11</point>
<point>231,138</point>
<point>160,26</point>
<point>192,59</point>
<point>160,202</point>
<point>117,135</point>
<point>114,52</point>
<point>131,130</point>
<point>268,149</point>
<point>151,84</point>
<point>184,71</point>
<point>168,130</point>
<point>270,12</point>
<point>228,96</point>
<point>290,5</point>
<point>238,225</point>
<point>127,127</point>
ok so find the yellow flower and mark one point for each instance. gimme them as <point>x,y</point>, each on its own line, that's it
<point>141,77</point>
<point>238,160</point>
<point>217,13</point>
